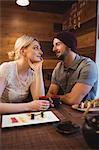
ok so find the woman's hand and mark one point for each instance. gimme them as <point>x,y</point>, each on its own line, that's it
<point>37,105</point>
<point>37,65</point>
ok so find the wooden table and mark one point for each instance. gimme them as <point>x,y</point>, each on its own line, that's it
<point>44,136</point>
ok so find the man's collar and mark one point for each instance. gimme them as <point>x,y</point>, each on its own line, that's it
<point>74,64</point>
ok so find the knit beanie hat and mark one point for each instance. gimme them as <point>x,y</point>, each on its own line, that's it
<point>68,38</point>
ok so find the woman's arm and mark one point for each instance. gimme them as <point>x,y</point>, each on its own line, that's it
<point>12,108</point>
<point>35,105</point>
<point>37,87</point>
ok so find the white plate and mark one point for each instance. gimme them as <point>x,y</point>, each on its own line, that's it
<point>25,119</point>
<point>84,109</point>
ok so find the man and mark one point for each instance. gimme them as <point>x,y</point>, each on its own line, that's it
<point>76,75</point>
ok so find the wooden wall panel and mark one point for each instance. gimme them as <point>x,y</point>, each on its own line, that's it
<point>49,63</point>
<point>86,34</point>
<point>89,11</point>
<point>16,21</point>
<point>86,40</point>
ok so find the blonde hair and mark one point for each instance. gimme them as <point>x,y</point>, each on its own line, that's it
<point>23,41</point>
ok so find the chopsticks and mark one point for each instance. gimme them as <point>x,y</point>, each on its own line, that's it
<point>86,112</point>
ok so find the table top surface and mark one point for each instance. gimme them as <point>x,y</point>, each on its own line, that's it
<point>45,136</point>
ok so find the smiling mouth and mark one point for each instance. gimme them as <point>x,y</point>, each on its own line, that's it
<point>58,54</point>
<point>39,57</point>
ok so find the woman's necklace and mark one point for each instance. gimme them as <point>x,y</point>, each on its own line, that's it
<point>23,77</point>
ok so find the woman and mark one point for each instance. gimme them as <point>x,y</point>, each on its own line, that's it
<point>19,76</point>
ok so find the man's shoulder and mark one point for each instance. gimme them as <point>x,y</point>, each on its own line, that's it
<point>89,61</point>
<point>86,60</point>
<point>59,65</point>
<point>87,64</point>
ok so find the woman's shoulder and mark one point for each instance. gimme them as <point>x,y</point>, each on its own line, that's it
<point>7,65</point>
<point>4,65</point>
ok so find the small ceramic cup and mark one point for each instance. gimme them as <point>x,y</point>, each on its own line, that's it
<point>43,98</point>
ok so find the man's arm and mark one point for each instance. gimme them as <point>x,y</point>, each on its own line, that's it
<point>53,90</point>
<point>78,92</point>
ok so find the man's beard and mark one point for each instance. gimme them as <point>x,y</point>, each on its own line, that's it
<point>63,56</point>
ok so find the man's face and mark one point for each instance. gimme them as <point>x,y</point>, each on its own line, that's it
<point>60,49</point>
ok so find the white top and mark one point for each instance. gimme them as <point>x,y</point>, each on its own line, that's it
<point>16,90</point>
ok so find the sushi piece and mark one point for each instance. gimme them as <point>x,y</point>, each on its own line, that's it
<point>87,104</point>
<point>81,105</point>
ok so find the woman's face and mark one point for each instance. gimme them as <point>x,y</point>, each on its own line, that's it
<point>34,52</point>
